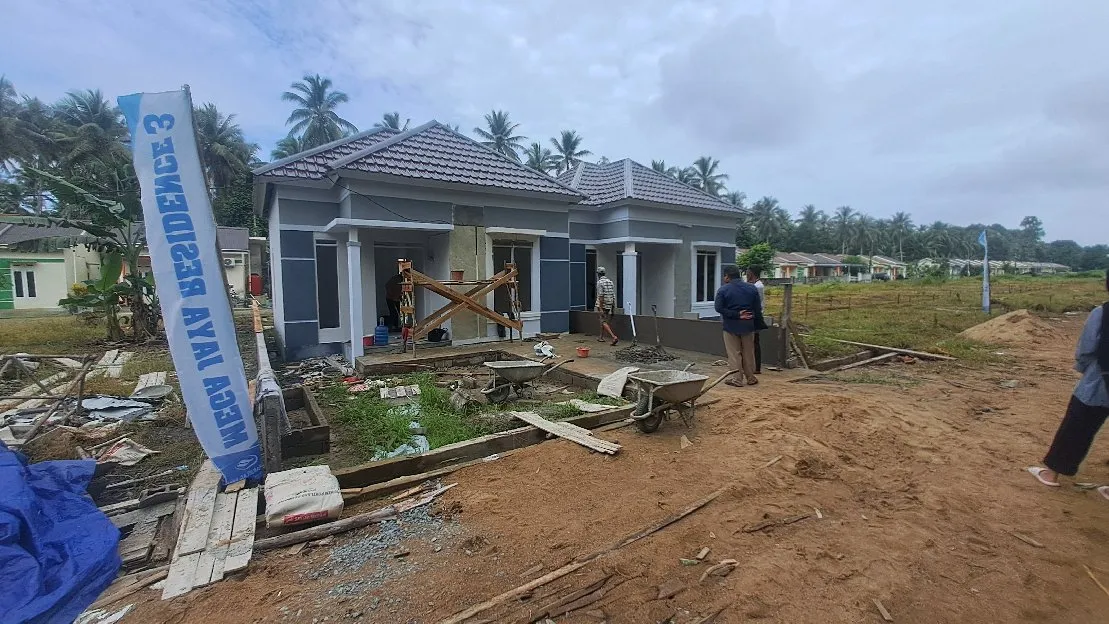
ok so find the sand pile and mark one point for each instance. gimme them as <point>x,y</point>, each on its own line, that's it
<point>1017,327</point>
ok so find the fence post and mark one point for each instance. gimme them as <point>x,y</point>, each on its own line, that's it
<point>787,310</point>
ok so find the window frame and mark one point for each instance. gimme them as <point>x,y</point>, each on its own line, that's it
<point>524,289</point>
<point>709,280</point>
<point>334,245</point>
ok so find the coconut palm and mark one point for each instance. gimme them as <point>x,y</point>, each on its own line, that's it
<point>736,198</point>
<point>12,143</point>
<point>90,130</point>
<point>223,150</point>
<point>687,176</point>
<point>661,167</point>
<point>287,146</point>
<point>392,121</point>
<point>769,221</point>
<point>705,175</point>
<point>499,137</point>
<point>314,117</point>
<point>808,233</point>
<point>539,158</point>
<point>567,152</point>
<point>866,234</point>
<point>901,225</point>
<point>842,222</point>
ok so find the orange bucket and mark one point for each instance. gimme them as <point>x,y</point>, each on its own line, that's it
<point>583,352</point>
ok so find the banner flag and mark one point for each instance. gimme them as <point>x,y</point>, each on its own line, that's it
<point>985,272</point>
<point>188,273</point>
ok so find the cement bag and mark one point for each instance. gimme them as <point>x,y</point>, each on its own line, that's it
<point>302,495</point>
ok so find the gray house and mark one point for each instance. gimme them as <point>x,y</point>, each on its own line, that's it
<point>342,214</point>
<point>663,242</point>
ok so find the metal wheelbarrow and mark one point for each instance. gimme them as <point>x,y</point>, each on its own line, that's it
<point>509,375</point>
<point>660,392</point>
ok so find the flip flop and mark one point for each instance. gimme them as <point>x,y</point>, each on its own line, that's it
<point>733,383</point>
<point>1036,471</point>
<point>1104,491</point>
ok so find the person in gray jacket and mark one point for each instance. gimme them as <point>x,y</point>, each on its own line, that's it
<point>1089,405</point>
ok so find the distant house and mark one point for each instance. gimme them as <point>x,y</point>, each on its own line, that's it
<point>818,267</point>
<point>960,267</point>
<point>38,265</point>
<point>882,264</point>
<point>662,242</point>
<point>242,257</point>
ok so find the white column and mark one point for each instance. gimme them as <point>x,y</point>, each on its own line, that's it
<point>630,258</point>
<point>354,288</point>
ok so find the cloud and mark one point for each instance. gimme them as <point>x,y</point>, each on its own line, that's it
<point>960,112</point>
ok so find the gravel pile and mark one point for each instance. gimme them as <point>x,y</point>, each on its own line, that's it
<point>643,355</point>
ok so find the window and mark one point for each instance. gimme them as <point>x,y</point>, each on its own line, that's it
<point>705,287</point>
<point>327,283</point>
<point>518,252</point>
<point>24,284</point>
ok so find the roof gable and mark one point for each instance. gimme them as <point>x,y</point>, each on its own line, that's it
<point>314,164</point>
<point>604,183</point>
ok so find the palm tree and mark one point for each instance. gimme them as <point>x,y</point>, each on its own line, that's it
<point>900,226</point>
<point>91,130</point>
<point>842,222</point>
<point>706,177</point>
<point>807,236</point>
<point>567,154</point>
<point>661,167</point>
<point>769,221</point>
<point>287,147</point>
<point>687,176</point>
<point>539,158</point>
<point>499,137</point>
<point>223,150</point>
<point>392,121</point>
<point>12,144</point>
<point>865,233</point>
<point>314,117</point>
<point>736,198</point>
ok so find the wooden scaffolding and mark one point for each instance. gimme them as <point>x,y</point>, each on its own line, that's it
<point>471,300</point>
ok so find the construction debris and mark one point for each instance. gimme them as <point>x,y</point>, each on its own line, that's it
<point>612,384</point>
<point>125,452</point>
<point>775,522</point>
<point>569,431</point>
<point>636,354</point>
<point>724,568</point>
<point>882,610</point>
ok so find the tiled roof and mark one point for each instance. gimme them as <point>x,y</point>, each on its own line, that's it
<point>429,152</point>
<point>627,179</point>
<point>435,152</point>
<point>13,233</point>
<point>315,163</point>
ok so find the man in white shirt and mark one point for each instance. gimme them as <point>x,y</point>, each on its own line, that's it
<point>606,305</point>
<point>753,278</point>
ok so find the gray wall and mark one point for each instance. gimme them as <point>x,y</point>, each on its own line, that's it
<point>554,270</point>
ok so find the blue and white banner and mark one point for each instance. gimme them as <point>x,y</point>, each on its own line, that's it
<point>188,272</point>
<point>985,271</point>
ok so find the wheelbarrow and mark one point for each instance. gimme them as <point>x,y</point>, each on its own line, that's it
<point>658,393</point>
<point>509,375</point>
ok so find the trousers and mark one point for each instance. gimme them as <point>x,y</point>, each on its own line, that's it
<point>1074,437</point>
<point>741,355</point>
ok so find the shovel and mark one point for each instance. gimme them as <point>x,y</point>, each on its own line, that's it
<point>658,334</point>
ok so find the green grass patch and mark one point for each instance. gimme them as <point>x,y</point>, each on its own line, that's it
<point>53,335</point>
<point>557,411</point>
<point>147,361</point>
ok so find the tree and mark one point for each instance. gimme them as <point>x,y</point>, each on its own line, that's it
<point>314,117</point>
<point>500,136</point>
<point>567,152</point>
<point>705,175</point>
<point>1033,228</point>
<point>12,143</point>
<point>759,257</point>
<point>687,176</point>
<point>661,167</point>
<point>842,222</point>
<point>287,146</point>
<point>90,133</point>
<point>736,198</point>
<point>769,221</point>
<point>392,121</point>
<point>539,158</point>
<point>807,233</point>
<point>223,150</point>
<point>900,226</point>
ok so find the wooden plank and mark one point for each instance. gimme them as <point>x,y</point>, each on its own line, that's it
<point>219,536</point>
<point>921,354</point>
<point>242,531</point>
<point>150,379</point>
<point>884,356</point>
<point>180,578</point>
<point>103,364</point>
<point>400,483</point>
<point>116,369</point>
<point>198,510</point>
<point>136,546</point>
<point>68,362</point>
<point>379,471</point>
<point>126,585</point>
<point>31,390</point>
<point>140,516</point>
<point>564,432</point>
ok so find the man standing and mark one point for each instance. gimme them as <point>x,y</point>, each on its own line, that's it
<point>754,279</point>
<point>606,305</point>
<point>737,302</point>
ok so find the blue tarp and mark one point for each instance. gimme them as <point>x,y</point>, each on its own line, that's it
<point>58,552</point>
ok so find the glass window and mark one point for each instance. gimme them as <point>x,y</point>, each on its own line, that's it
<point>327,284</point>
<point>17,278</point>
<point>30,277</point>
<point>705,288</point>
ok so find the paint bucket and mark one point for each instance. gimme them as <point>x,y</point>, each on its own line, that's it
<point>583,352</point>
<point>458,276</point>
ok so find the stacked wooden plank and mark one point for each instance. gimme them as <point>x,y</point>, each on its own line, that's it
<point>111,364</point>
<point>568,431</point>
<point>150,379</point>
<point>217,535</point>
<point>154,526</point>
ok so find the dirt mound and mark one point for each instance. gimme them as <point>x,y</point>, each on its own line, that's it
<point>1017,327</point>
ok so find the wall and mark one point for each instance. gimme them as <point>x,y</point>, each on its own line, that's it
<point>554,261</point>
<point>700,336</point>
<point>468,251</point>
<point>658,276</point>
<point>51,280</point>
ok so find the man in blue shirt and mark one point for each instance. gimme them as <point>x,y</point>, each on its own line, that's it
<point>1089,405</point>
<point>736,303</point>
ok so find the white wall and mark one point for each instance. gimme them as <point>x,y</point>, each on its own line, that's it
<point>658,278</point>
<point>51,281</point>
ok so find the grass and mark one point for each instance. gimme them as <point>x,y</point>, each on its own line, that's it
<point>912,314</point>
<point>54,335</point>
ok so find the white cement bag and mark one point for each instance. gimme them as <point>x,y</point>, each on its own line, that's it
<point>302,495</point>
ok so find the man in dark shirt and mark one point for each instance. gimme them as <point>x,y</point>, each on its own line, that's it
<point>736,303</point>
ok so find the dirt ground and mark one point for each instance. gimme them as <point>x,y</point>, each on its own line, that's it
<point>920,489</point>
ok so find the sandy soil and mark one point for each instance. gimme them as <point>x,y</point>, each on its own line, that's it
<point>920,487</point>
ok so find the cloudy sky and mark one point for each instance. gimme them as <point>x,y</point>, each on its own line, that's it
<point>956,111</point>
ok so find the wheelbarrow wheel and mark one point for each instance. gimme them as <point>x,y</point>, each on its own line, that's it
<point>651,423</point>
<point>497,394</point>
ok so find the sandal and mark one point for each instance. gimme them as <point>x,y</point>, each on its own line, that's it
<point>733,383</point>
<point>615,341</point>
<point>1038,473</point>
